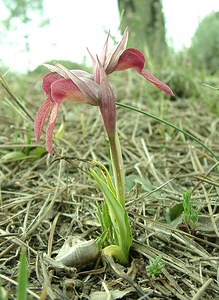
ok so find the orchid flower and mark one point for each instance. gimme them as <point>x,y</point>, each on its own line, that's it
<point>81,87</point>
<point>119,58</point>
<point>59,85</point>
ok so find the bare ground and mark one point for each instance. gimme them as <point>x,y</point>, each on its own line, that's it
<point>45,200</point>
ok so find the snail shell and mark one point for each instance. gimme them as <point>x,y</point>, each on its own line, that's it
<point>77,252</point>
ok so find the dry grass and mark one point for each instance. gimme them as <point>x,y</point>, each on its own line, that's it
<point>42,203</point>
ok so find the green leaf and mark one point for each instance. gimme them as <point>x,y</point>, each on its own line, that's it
<point>3,293</point>
<point>60,131</point>
<point>103,173</point>
<point>106,224</point>
<point>37,152</point>
<point>145,186</point>
<point>117,214</point>
<point>155,267</point>
<point>15,155</point>
<point>22,278</point>
<point>174,214</point>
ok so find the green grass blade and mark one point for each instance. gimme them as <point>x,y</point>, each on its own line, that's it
<point>3,293</point>
<point>104,174</point>
<point>105,222</point>
<point>6,87</point>
<point>171,125</point>
<point>22,278</point>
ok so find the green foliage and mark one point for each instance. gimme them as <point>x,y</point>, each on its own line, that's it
<point>106,225</point>
<point>3,293</point>
<point>183,212</point>
<point>190,215</point>
<point>23,155</point>
<point>205,44</point>
<point>155,267</point>
<point>174,214</point>
<point>140,185</point>
<point>14,155</point>
<point>112,216</point>
<point>20,9</point>
<point>184,80</point>
<point>22,278</point>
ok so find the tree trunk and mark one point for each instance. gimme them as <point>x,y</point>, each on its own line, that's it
<point>146,24</point>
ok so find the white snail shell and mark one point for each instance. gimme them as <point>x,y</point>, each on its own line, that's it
<point>78,252</point>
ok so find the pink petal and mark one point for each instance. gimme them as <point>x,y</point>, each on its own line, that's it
<point>86,85</point>
<point>47,105</point>
<point>162,86</point>
<point>109,58</point>
<point>133,58</point>
<point>58,89</point>
<point>105,49</point>
<point>48,79</point>
<point>92,89</point>
<point>114,54</point>
<point>55,69</point>
<point>43,112</point>
<point>82,74</point>
<point>96,71</point>
<point>62,89</point>
<point>61,70</point>
<point>50,127</point>
<point>65,89</point>
<point>107,103</point>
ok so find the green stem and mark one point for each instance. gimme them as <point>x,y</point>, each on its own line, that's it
<point>115,251</point>
<point>117,165</point>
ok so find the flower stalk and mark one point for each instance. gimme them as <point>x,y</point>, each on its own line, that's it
<point>117,167</point>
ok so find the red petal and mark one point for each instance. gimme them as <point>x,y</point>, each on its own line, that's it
<point>41,116</point>
<point>162,86</point>
<point>50,127</point>
<point>85,83</point>
<point>48,79</point>
<point>65,89</point>
<point>133,58</point>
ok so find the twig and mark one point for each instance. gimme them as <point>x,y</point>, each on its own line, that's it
<point>16,100</point>
<point>210,86</point>
<point>200,292</point>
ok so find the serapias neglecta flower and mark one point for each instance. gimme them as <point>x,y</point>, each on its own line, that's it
<point>59,85</point>
<point>119,58</point>
<point>79,86</point>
